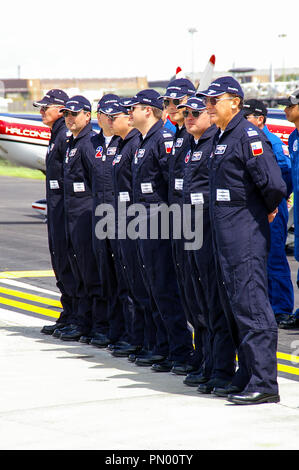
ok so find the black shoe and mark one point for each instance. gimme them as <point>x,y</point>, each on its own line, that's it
<point>253,398</point>
<point>117,345</point>
<point>85,339</point>
<point>289,324</point>
<point>162,366</point>
<point>139,354</point>
<point>58,330</point>
<point>126,351</point>
<point>211,384</point>
<point>194,379</point>
<point>281,317</point>
<point>72,334</point>
<point>182,369</point>
<point>49,329</point>
<point>149,359</point>
<point>225,391</point>
<point>100,340</point>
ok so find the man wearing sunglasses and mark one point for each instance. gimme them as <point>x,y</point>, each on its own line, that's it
<point>50,107</point>
<point>150,188</point>
<point>177,93</point>
<point>218,366</point>
<point>281,292</point>
<point>140,341</point>
<point>292,114</point>
<point>91,316</point>
<point>246,187</point>
<point>105,145</point>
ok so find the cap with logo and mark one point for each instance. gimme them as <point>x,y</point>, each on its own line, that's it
<point>194,102</point>
<point>54,96</point>
<point>292,99</point>
<point>179,88</point>
<point>223,85</point>
<point>77,103</point>
<point>255,107</point>
<point>118,107</point>
<point>148,97</point>
<point>105,103</point>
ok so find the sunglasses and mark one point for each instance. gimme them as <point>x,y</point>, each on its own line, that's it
<point>72,113</point>
<point>195,114</point>
<point>44,108</point>
<point>213,100</point>
<point>112,118</point>
<point>175,101</point>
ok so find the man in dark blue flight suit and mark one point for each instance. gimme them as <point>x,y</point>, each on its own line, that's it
<point>281,291</point>
<point>219,351</point>
<point>246,188</point>
<point>50,110</point>
<point>177,92</point>
<point>91,319</point>
<point>142,325</point>
<point>150,190</point>
<point>105,146</point>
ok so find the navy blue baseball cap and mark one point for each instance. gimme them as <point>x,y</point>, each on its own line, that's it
<point>105,103</point>
<point>118,107</point>
<point>77,103</point>
<point>179,88</point>
<point>55,96</point>
<point>222,85</point>
<point>194,102</point>
<point>148,97</point>
<point>291,100</point>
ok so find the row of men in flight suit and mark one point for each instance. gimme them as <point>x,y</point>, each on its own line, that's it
<point>138,296</point>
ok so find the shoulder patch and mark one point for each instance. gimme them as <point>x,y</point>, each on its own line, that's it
<point>251,132</point>
<point>257,148</point>
<point>168,146</point>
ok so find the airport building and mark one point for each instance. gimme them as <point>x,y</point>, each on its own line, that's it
<point>264,84</point>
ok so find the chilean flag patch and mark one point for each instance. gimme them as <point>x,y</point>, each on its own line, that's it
<point>257,148</point>
<point>168,146</point>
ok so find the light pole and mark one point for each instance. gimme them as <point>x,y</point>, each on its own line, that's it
<point>283,64</point>
<point>192,31</point>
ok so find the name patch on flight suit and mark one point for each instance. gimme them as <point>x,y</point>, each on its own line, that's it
<point>220,149</point>
<point>257,148</point>
<point>79,187</point>
<point>54,184</point>
<point>146,188</point>
<point>251,132</point>
<point>178,184</point>
<point>223,195</point>
<point>124,196</point>
<point>197,198</point>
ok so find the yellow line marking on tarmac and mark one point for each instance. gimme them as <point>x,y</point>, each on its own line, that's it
<point>34,298</point>
<point>29,308</point>
<point>20,274</point>
<point>289,369</point>
<point>288,357</point>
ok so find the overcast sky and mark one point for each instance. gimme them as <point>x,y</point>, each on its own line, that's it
<point>114,38</point>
